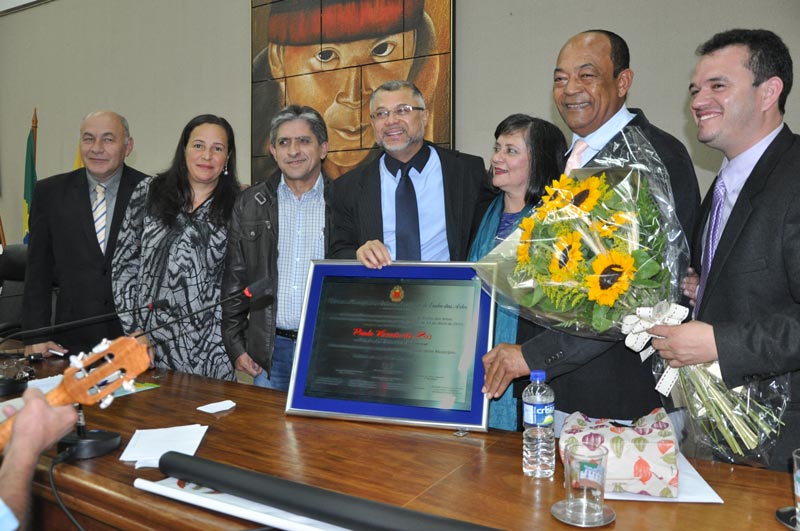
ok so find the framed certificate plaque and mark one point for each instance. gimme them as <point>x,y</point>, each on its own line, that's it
<point>402,344</point>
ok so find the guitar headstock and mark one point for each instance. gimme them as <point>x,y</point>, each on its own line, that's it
<point>92,377</point>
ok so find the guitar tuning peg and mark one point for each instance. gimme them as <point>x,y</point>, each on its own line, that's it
<point>76,361</point>
<point>100,347</point>
<point>129,385</point>
<point>106,401</point>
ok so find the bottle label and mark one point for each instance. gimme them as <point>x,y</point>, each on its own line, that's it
<point>538,414</point>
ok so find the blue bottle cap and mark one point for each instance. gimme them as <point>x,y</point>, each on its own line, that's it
<point>537,376</point>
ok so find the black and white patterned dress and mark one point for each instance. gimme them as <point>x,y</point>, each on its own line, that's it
<point>184,265</point>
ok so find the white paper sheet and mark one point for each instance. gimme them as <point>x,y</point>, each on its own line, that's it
<point>692,488</point>
<point>147,446</point>
<point>46,385</point>
<point>216,407</point>
<point>233,505</point>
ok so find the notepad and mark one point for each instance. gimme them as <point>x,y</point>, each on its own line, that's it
<point>147,446</point>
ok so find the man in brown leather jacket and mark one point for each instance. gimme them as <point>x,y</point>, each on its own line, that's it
<point>260,333</point>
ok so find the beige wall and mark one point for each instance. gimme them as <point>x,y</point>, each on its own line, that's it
<point>160,62</point>
<point>516,46</point>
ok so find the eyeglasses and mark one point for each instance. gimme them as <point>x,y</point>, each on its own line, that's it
<point>400,110</point>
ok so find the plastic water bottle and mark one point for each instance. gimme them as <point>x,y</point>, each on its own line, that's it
<point>538,441</point>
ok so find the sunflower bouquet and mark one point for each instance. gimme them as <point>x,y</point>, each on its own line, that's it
<point>602,242</point>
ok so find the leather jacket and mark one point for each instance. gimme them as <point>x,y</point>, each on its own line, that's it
<point>248,325</point>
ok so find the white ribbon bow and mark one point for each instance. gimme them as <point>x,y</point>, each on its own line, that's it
<point>635,327</point>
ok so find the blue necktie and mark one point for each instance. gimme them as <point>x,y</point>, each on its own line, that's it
<point>406,218</point>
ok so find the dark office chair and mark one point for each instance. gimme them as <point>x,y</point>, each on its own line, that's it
<point>12,280</point>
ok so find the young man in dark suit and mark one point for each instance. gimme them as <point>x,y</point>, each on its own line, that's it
<point>74,221</point>
<point>747,244</point>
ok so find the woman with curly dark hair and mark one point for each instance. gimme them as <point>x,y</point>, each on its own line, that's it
<point>172,246</point>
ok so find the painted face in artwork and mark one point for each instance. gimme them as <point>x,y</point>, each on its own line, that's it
<point>332,56</point>
<point>329,79</point>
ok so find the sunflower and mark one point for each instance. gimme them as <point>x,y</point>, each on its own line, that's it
<point>524,247</point>
<point>523,253</point>
<point>606,228</point>
<point>567,257</point>
<point>556,196</point>
<point>527,225</point>
<point>586,193</point>
<point>621,218</point>
<point>603,228</point>
<point>613,273</point>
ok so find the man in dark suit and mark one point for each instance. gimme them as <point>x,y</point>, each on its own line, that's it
<point>599,378</point>
<point>417,201</point>
<point>74,222</point>
<point>747,244</point>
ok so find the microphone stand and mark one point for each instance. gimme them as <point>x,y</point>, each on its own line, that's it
<point>256,289</point>
<point>89,443</point>
<point>27,334</point>
<point>13,386</point>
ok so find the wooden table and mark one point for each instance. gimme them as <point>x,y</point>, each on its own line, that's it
<point>476,478</point>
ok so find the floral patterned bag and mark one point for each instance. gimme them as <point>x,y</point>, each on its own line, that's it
<point>642,458</point>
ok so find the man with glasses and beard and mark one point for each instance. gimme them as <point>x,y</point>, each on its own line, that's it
<point>416,201</point>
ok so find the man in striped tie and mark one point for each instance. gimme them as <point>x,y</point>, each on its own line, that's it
<point>73,230</point>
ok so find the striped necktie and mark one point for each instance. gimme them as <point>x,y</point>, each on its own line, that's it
<point>99,214</point>
<point>713,232</point>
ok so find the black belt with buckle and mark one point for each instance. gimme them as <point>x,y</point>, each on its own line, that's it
<point>291,334</point>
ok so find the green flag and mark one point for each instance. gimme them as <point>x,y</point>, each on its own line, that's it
<point>30,181</point>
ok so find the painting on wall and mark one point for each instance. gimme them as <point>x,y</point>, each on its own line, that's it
<point>331,55</point>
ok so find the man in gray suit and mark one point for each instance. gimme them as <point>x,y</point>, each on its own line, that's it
<point>747,244</point>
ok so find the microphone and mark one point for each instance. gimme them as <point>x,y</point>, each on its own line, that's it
<point>256,289</point>
<point>25,334</point>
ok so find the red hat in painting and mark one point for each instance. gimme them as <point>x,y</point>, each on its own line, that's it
<point>303,22</point>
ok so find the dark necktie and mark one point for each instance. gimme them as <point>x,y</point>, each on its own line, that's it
<point>406,218</point>
<point>714,231</point>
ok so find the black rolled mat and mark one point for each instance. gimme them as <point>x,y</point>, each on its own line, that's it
<point>320,504</point>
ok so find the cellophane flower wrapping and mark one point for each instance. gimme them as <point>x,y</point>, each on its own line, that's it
<point>602,242</point>
<point>737,425</point>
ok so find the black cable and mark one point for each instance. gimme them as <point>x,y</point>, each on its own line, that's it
<point>66,455</point>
